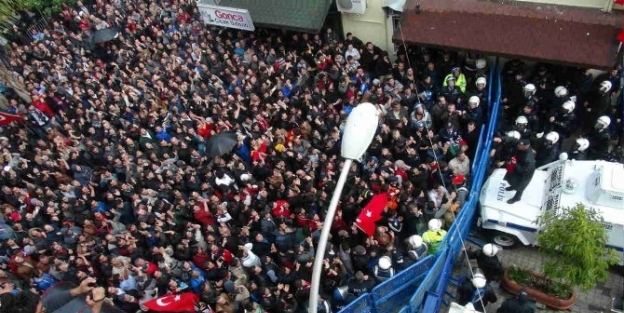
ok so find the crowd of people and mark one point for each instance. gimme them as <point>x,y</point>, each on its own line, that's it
<point>109,178</point>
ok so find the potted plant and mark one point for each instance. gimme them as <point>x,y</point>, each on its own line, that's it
<point>573,244</point>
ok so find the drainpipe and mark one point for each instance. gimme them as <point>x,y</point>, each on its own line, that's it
<point>608,6</point>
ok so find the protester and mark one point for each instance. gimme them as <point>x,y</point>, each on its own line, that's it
<point>112,174</point>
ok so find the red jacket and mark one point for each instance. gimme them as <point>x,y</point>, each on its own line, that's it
<point>204,216</point>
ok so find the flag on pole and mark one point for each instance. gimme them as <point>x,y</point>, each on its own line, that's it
<point>371,213</point>
<point>6,118</point>
<point>174,303</point>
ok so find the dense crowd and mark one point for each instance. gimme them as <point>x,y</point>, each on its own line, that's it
<point>110,177</point>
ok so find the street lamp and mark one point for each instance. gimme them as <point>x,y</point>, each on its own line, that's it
<point>357,136</point>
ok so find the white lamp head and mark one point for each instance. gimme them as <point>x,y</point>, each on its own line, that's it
<point>359,130</point>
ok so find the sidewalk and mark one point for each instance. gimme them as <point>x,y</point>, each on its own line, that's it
<point>596,300</point>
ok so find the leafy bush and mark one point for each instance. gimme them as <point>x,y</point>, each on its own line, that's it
<point>573,240</point>
<point>46,7</point>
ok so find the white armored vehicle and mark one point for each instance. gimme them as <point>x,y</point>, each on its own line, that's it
<point>597,184</point>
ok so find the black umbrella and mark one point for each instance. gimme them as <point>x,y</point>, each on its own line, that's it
<point>221,143</point>
<point>104,35</point>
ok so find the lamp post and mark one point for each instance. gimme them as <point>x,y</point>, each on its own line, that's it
<point>357,136</point>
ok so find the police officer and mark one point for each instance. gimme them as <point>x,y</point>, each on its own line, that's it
<point>476,291</point>
<point>579,149</point>
<point>360,284</point>
<point>383,270</point>
<point>562,120</point>
<point>522,170</point>
<point>600,138</point>
<point>518,304</point>
<point>473,112</point>
<point>522,127</point>
<point>434,235</point>
<point>548,150</point>
<point>488,262</point>
<point>417,248</point>
<point>341,298</point>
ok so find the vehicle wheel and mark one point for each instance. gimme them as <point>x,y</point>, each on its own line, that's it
<point>504,240</point>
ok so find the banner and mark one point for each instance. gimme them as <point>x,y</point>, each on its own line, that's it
<point>371,213</point>
<point>226,16</point>
<point>174,303</point>
<point>6,119</point>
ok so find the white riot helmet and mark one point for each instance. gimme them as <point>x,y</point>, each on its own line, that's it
<point>490,250</point>
<point>605,86</point>
<point>529,90</point>
<point>478,280</point>
<point>568,106</point>
<point>435,224</point>
<point>474,100</point>
<point>563,156</point>
<point>481,81</point>
<point>582,144</point>
<point>561,91</point>
<point>513,134</point>
<point>480,64</point>
<point>384,263</point>
<point>552,137</point>
<point>603,122</point>
<point>415,241</point>
<point>522,120</point>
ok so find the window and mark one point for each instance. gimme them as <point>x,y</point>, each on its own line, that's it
<point>396,26</point>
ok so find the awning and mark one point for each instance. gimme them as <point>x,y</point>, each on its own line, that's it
<point>574,36</point>
<point>296,15</point>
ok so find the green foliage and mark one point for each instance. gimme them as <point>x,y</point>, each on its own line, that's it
<point>46,7</point>
<point>573,240</point>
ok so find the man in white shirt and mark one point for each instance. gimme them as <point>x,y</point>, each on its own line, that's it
<point>351,51</point>
<point>460,165</point>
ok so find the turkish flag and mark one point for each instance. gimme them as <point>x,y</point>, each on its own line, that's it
<point>620,2</point>
<point>174,303</point>
<point>371,213</point>
<point>6,118</point>
<point>620,36</point>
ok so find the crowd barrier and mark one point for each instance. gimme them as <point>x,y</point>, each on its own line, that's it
<point>422,286</point>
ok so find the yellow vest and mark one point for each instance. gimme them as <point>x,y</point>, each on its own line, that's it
<point>459,81</point>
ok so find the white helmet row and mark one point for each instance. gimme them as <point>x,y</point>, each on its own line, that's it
<point>415,241</point>
<point>384,263</point>
<point>582,144</point>
<point>553,137</point>
<point>481,81</point>
<point>569,106</point>
<point>513,134</point>
<point>435,224</point>
<point>490,250</point>
<point>561,91</point>
<point>605,86</point>
<point>474,100</point>
<point>478,279</point>
<point>522,120</point>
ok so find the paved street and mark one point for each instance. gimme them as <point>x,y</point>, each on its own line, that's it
<point>597,300</point>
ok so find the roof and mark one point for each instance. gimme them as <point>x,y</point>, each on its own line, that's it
<point>299,15</point>
<point>575,36</point>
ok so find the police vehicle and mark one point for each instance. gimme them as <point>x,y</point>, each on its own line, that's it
<point>563,183</point>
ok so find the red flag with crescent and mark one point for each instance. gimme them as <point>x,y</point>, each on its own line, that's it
<point>174,303</point>
<point>371,213</point>
<point>6,118</point>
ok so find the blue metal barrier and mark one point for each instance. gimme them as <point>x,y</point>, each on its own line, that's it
<point>426,280</point>
<point>363,304</point>
<point>401,286</point>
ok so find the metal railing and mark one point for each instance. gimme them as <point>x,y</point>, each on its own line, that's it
<point>421,287</point>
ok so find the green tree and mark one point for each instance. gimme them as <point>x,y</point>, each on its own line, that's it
<point>46,7</point>
<point>573,240</point>
<point>9,14</point>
